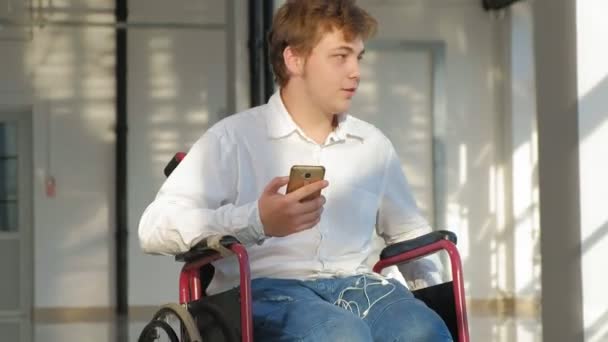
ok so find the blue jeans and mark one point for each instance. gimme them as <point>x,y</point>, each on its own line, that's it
<point>350,309</point>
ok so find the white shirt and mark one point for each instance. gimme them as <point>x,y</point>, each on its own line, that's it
<point>216,187</point>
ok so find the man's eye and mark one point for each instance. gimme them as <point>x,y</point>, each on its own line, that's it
<point>360,57</point>
<point>341,56</point>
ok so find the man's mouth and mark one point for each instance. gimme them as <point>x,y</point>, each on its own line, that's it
<point>350,91</point>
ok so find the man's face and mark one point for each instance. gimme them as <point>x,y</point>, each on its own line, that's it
<point>331,73</point>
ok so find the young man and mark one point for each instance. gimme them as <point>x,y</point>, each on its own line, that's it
<point>310,279</point>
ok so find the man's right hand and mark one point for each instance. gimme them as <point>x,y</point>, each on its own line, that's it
<point>284,215</point>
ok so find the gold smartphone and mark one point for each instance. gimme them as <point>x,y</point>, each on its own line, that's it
<point>301,175</point>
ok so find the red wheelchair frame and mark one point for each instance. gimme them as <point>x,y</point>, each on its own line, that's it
<point>191,290</point>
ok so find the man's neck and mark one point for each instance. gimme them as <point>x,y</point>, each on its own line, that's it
<point>316,124</point>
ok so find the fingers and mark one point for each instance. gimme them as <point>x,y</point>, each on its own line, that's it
<point>294,212</point>
<point>309,206</point>
<point>275,184</point>
<point>307,190</point>
<point>308,225</point>
<point>309,217</point>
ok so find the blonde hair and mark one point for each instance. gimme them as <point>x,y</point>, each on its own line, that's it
<point>300,24</point>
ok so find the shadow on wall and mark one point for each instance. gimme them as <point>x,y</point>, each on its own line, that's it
<point>71,70</point>
<point>177,85</point>
<point>176,89</point>
<point>170,107</point>
<point>593,127</point>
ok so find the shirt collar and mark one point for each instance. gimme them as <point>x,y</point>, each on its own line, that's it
<point>280,123</point>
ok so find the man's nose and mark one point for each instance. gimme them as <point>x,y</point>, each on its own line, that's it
<point>355,71</point>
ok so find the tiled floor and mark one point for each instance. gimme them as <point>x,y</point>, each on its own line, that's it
<point>504,329</point>
<point>483,329</point>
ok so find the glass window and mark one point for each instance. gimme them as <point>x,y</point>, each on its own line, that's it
<point>8,177</point>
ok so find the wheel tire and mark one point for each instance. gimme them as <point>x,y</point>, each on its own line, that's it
<point>188,323</point>
<point>150,328</point>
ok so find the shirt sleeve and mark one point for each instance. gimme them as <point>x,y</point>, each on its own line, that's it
<point>196,201</point>
<point>399,219</point>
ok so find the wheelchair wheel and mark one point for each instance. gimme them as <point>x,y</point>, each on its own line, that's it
<point>174,318</point>
<point>158,330</point>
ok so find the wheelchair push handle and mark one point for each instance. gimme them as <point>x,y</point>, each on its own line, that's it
<point>172,164</point>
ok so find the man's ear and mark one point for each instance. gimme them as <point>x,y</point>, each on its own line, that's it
<point>293,62</point>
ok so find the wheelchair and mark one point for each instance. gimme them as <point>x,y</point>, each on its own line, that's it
<point>227,316</point>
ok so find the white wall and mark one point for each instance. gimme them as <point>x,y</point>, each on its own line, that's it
<point>177,88</point>
<point>523,150</point>
<point>72,76</point>
<point>472,169</point>
<point>68,72</point>
<point>521,234</point>
<point>592,36</point>
<point>475,196</point>
<point>65,69</point>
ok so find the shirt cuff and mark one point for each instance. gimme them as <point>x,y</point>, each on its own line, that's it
<point>253,233</point>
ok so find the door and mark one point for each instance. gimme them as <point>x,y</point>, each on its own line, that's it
<point>15,226</point>
<point>397,95</point>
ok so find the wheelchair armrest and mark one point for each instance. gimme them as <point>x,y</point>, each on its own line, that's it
<point>421,241</point>
<point>172,164</point>
<point>201,249</point>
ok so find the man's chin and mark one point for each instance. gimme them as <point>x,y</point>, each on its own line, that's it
<point>342,107</point>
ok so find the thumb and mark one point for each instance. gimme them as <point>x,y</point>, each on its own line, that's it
<point>275,184</point>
